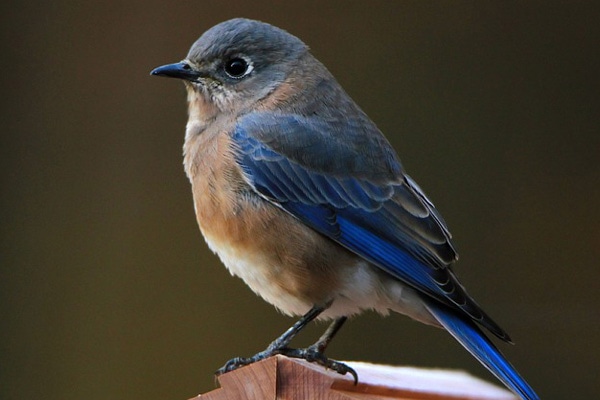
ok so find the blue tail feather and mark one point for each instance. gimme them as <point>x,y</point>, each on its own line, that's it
<point>473,339</point>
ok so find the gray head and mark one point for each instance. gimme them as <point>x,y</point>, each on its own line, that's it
<point>237,62</point>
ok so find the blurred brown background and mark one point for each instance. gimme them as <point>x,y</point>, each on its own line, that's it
<point>108,291</point>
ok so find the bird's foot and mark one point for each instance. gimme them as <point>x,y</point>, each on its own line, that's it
<point>310,354</point>
<point>313,355</point>
<point>279,346</point>
<point>238,362</point>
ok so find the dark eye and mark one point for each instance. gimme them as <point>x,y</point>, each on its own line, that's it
<point>236,67</point>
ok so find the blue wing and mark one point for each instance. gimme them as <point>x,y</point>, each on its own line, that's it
<point>357,195</point>
<point>346,183</point>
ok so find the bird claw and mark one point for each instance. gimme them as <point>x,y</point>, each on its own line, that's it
<point>233,364</point>
<point>310,354</point>
<point>313,355</point>
<point>238,362</point>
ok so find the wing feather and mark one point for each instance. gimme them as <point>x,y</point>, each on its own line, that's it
<point>366,203</point>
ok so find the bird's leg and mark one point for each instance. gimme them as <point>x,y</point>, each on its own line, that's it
<point>321,344</point>
<point>279,345</point>
<point>315,352</point>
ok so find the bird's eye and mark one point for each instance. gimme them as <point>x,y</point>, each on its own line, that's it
<point>237,67</point>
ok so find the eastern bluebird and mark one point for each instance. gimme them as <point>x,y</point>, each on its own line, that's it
<point>303,198</point>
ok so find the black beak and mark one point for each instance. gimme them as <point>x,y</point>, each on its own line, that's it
<point>181,70</point>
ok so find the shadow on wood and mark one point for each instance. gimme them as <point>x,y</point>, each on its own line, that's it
<point>279,378</point>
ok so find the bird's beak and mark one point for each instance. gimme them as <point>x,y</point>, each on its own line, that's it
<point>181,70</point>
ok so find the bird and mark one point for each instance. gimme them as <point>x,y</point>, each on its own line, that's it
<point>301,196</point>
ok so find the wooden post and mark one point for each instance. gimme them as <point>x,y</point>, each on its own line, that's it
<point>282,378</point>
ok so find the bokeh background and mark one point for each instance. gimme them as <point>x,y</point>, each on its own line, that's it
<point>107,289</point>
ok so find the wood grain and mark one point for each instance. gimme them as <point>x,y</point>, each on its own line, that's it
<point>282,378</point>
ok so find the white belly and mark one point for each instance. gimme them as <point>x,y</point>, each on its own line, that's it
<point>363,287</point>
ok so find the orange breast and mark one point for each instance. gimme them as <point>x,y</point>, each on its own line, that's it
<point>285,262</point>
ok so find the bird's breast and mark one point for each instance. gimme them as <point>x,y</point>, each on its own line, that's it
<point>285,262</point>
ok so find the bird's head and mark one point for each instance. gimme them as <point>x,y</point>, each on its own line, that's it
<point>235,64</point>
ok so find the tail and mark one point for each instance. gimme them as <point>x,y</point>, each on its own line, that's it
<point>473,339</point>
